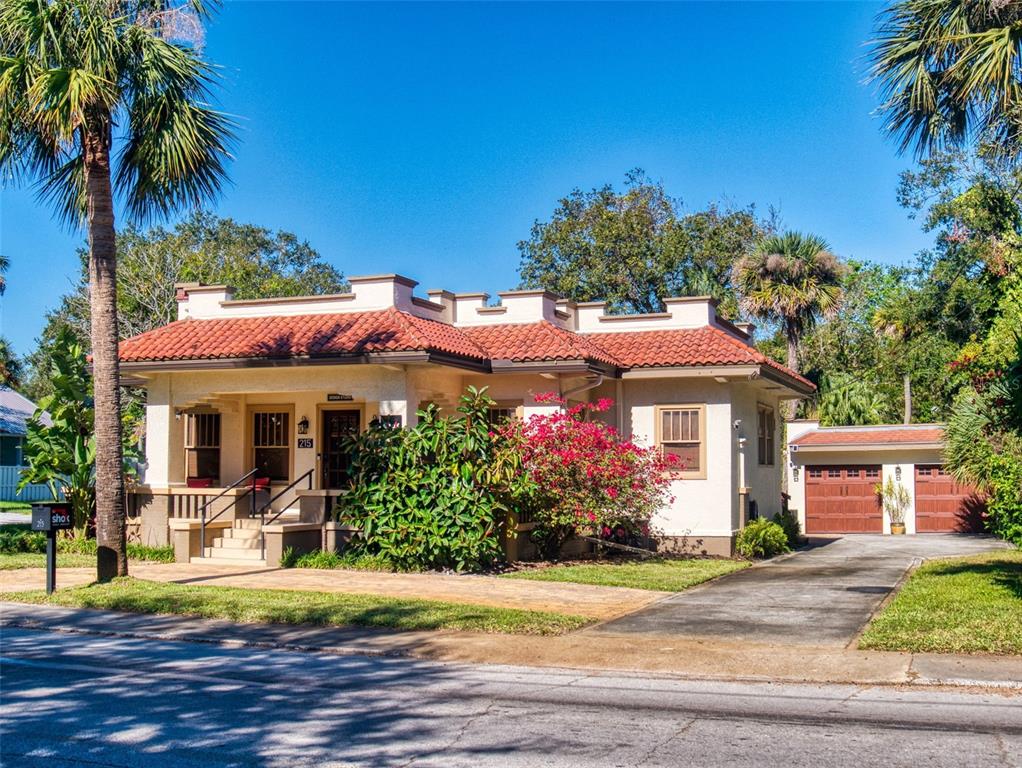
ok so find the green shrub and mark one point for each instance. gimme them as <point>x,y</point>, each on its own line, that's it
<point>18,539</point>
<point>788,520</point>
<point>432,496</point>
<point>15,539</point>
<point>329,560</point>
<point>762,538</point>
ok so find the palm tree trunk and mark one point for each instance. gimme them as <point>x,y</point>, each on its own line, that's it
<point>790,406</point>
<point>111,554</point>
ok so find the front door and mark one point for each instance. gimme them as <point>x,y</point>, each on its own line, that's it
<point>335,460</point>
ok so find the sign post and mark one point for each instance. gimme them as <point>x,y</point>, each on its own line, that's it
<point>48,519</point>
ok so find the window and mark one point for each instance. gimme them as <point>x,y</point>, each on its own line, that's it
<point>834,474</point>
<point>815,473</point>
<point>872,473</point>
<point>765,432</point>
<point>390,421</point>
<point>680,433</point>
<point>202,446</point>
<point>271,445</point>
<point>504,412</point>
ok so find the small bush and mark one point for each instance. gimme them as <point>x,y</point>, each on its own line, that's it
<point>20,539</point>
<point>328,560</point>
<point>15,539</point>
<point>762,538</point>
<point>788,520</point>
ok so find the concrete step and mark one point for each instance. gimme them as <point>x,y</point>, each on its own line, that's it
<point>235,554</point>
<point>247,524</point>
<point>242,534</point>
<point>252,542</point>
<point>218,560</point>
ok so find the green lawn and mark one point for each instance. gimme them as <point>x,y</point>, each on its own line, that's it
<point>294,607</point>
<point>14,560</point>
<point>661,575</point>
<point>962,605</point>
<point>18,507</point>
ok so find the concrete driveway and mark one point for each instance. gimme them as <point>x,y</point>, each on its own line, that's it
<point>822,596</point>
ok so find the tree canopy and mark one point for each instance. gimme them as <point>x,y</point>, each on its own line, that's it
<point>636,247</point>
<point>202,247</point>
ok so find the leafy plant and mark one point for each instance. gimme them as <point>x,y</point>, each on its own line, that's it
<point>435,495</point>
<point>788,520</point>
<point>984,444</point>
<point>895,498</point>
<point>584,477</point>
<point>323,560</point>
<point>762,538</point>
<point>62,453</point>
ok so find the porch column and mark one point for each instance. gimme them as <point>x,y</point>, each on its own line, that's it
<point>159,418</point>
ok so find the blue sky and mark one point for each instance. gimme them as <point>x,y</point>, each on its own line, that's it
<point>425,139</point>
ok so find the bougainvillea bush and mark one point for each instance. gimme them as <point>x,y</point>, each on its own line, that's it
<point>585,477</point>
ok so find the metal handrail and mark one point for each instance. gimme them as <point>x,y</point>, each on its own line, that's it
<point>204,507</point>
<point>267,505</point>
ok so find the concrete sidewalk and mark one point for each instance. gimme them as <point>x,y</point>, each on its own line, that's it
<point>650,653</point>
<point>593,602</point>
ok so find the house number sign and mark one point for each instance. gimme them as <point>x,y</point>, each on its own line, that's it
<point>337,397</point>
<point>304,442</point>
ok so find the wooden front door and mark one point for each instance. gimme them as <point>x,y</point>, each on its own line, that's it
<point>942,505</point>
<point>334,459</point>
<point>843,499</point>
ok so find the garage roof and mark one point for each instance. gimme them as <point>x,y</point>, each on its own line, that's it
<point>915,435</point>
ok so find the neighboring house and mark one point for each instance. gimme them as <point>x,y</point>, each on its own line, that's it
<point>833,473</point>
<point>15,411</point>
<point>276,384</point>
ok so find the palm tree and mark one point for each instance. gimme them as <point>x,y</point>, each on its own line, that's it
<point>5,264</point>
<point>790,279</point>
<point>949,72</point>
<point>76,78</point>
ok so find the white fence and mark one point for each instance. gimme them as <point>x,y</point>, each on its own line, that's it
<point>9,477</point>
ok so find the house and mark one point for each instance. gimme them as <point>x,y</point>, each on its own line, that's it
<point>833,473</point>
<point>15,411</point>
<point>272,386</point>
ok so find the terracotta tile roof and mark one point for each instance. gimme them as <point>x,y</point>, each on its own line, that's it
<point>391,330</point>
<point>324,335</point>
<point>695,346</point>
<point>529,342</point>
<point>893,434</point>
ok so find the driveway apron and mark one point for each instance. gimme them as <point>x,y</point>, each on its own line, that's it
<point>822,596</point>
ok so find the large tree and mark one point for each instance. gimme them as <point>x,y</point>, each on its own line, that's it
<point>791,279</point>
<point>949,73</point>
<point>76,78</point>
<point>635,248</point>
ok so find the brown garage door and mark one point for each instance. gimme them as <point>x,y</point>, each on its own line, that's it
<point>942,505</point>
<point>843,499</point>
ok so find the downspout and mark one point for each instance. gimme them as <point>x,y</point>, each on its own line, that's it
<point>591,383</point>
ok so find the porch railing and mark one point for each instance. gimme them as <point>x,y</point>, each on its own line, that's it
<point>262,511</point>
<point>202,510</point>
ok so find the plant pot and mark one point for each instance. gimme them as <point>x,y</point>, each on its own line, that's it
<point>897,529</point>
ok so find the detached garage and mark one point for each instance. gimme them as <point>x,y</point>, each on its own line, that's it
<point>833,473</point>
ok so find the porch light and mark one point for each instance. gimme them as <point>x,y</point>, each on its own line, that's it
<point>303,426</point>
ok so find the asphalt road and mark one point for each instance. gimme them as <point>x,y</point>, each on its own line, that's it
<point>822,596</point>
<point>86,700</point>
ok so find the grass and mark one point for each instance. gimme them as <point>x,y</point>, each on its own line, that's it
<point>293,607</point>
<point>961,605</point>
<point>10,561</point>
<point>18,507</point>
<point>661,575</point>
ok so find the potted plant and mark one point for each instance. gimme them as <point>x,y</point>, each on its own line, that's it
<point>896,500</point>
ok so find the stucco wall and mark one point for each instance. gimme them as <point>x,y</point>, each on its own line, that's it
<point>762,480</point>
<point>889,459</point>
<point>706,507</point>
